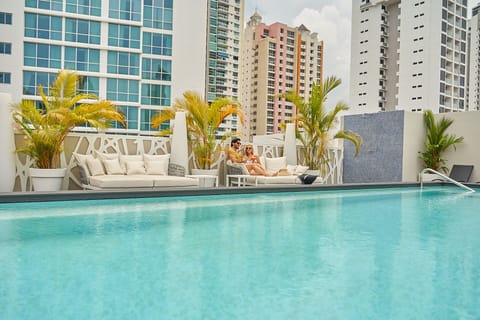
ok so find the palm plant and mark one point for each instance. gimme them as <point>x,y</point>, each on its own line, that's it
<point>203,122</point>
<point>315,123</point>
<point>64,109</point>
<point>437,142</point>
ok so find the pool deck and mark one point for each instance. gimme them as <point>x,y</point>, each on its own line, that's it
<point>12,197</point>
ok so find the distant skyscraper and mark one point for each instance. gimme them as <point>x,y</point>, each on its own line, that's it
<point>276,59</point>
<point>225,26</point>
<point>408,55</point>
<point>473,100</point>
<point>138,54</point>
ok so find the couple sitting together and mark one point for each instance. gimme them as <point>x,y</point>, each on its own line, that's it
<point>246,156</point>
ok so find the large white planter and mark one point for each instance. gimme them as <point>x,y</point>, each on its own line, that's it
<point>207,177</point>
<point>47,179</point>
<point>430,177</point>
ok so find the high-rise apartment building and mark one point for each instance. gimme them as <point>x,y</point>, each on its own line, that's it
<point>473,98</point>
<point>225,26</point>
<point>408,55</point>
<point>140,54</point>
<point>276,59</point>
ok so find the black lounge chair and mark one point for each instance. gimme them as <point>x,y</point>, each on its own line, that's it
<point>460,173</point>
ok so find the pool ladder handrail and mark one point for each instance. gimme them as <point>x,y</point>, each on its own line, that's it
<point>461,185</point>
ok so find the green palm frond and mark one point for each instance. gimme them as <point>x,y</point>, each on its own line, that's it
<point>203,121</point>
<point>45,130</point>
<point>315,123</point>
<point>437,141</point>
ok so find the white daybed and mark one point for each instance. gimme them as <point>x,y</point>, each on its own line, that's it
<point>115,171</point>
<point>237,173</point>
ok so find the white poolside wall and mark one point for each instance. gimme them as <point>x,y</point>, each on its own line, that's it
<point>381,156</point>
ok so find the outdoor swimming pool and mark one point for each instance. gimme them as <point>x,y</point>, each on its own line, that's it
<point>360,254</point>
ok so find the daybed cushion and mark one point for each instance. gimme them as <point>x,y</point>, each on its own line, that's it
<point>118,181</point>
<point>278,180</point>
<point>141,181</point>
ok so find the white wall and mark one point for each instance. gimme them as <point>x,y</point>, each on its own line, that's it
<point>464,124</point>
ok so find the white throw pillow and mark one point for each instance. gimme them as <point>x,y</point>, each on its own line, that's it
<point>291,168</point>
<point>105,156</point>
<point>156,167</point>
<point>132,157</point>
<point>273,165</point>
<point>300,169</point>
<point>135,167</point>
<point>95,167</point>
<point>82,161</point>
<point>158,157</point>
<point>113,166</point>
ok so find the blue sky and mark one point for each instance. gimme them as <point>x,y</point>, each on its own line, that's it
<point>331,19</point>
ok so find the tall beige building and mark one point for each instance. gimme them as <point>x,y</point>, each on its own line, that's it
<point>276,59</point>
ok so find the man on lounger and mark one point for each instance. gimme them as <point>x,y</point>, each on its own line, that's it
<point>234,155</point>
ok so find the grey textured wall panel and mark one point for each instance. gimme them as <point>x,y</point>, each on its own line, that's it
<point>381,154</point>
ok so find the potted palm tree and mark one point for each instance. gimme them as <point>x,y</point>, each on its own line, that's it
<point>316,125</point>
<point>437,142</point>
<point>203,121</point>
<point>46,128</point>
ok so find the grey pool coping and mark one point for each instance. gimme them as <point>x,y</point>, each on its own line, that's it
<point>13,197</point>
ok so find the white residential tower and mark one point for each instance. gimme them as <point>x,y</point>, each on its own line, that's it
<point>408,55</point>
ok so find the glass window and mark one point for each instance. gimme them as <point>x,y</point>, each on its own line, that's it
<point>158,14</point>
<point>88,7</point>
<point>56,5</point>
<point>42,26</point>
<point>123,63</point>
<point>125,9</point>
<point>122,90</point>
<point>155,94</point>
<point>31,81</point>
<point>82,31</point>
<point>88,85</point>
<point>156,43</point>
<point>5,77</point>
<point>131,117</point>
<point>123,36</point>
<point>82,59</point>
<point>5,48</point>
<point>145,116</point>
<point>42,55</point>
<point>5,18</point>
<point>156,69</point>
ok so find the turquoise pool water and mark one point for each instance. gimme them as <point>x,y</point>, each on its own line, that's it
<point>365,254</point>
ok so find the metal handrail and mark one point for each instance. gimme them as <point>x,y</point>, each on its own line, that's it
<point>444,177</point>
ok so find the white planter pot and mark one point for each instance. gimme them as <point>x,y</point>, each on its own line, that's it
<point>207,177</point>
<point>429,177</point>
<point>47,179</point>
<point>313,172</point>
